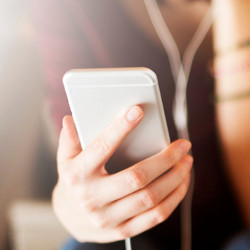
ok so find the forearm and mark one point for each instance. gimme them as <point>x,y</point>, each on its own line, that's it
<point>231,28</point>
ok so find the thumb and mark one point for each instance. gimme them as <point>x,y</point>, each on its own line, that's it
<point>69,143</point>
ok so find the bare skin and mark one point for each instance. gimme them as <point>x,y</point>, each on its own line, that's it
<point>96,206</point>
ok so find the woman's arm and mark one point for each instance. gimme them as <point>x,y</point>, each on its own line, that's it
<point>232,68</point>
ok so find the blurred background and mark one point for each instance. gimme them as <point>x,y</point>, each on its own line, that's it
<point>27,146</point>
<point>27,137</point>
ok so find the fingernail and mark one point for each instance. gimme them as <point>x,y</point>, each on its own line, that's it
<point>133,114</point>
<point>185,146</point>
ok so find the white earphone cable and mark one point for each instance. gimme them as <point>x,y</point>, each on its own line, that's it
<point>128,245</point>
<point>181,71</point>
<point>165,36</point>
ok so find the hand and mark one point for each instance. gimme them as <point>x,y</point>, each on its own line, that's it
<point>96,206</point>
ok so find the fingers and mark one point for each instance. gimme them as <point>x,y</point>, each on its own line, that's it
<point>101,149</point>
<point>150,196</point>
<point>90,162</point>
<point>154,216</point>
<point>143,221</point>
<point>69,144</point>
<point>165,193</point>
<point>140,175</point>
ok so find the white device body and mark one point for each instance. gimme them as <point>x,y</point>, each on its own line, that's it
<point>97,96</point>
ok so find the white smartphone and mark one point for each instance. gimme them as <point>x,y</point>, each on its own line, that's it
<point>97,96</point>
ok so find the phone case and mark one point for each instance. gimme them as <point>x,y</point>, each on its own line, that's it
<point>97,96</point>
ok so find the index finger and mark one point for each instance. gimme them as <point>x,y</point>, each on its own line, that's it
<point>97,153</point>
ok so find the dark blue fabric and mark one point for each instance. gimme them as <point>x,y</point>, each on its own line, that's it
<point>241,242</point>
<point>138,242</point>
<point>75,245</point>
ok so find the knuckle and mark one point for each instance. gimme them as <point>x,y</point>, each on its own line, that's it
<point>169,157</point>
<point>89,205</point>
<point>100,144</point>
<point>72,178</point>
<point>100,220</point>
<point>160,215</point>
<point>123,233</point>
<point>136,178</point>
<point>148,199</point>
<point>87,201</point>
